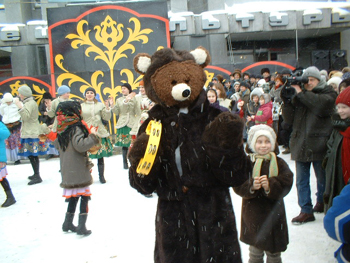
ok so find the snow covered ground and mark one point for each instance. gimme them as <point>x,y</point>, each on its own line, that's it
<point>121,220</point>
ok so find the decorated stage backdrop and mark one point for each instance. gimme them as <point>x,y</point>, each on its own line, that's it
<point>94,46</point>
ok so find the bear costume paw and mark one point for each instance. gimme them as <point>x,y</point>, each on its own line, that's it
<point>225,131</point>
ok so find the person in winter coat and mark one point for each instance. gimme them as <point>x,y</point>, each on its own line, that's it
<point>264,224</point>
<point>12,119</point>
<point>221,98</point>
<point>30,145</point>
<point>10,199</point>
<point>45,118</point>
<point>93,112</point>
<point>244,96</point>
<point>336,162</point>
<point>73,141</point>
<point>264,113</point>
<point>145,105</point>
<point>129,112</point>
<point>334,82</point>
<point>253,106</point>
<point>308,109</point>
<point>282,131</point>
<point>337,224</point>
<point>63,93</point>
<point>229,88</point>
<point>213,100</point>
<point>236,95</point>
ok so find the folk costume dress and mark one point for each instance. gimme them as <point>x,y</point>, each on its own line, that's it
<point>30,144</point>
<point>93,113</point>
<point>129,112</point>
<point>12,119</point>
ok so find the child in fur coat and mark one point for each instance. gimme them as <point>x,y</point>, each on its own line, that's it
<point>73,142</point>
<point>264,224</point>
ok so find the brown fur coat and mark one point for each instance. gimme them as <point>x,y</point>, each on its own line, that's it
<point>195,221</point>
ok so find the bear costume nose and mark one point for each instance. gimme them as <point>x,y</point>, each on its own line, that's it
<point>181,92</point>
<point>186,93</point>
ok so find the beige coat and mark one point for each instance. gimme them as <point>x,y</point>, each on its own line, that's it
<point>129,112</point>
<point>30,122</point>
<point>93,113</point>
<point>52,111</point>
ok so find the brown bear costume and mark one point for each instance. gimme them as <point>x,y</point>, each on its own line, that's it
<point>200,156</point>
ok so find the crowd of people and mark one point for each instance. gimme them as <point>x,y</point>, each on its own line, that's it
<point>311,120</point>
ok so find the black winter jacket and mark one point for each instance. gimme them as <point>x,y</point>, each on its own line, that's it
<point>310,112</point>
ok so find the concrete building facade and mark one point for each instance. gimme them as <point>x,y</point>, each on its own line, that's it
<point>235,32</point>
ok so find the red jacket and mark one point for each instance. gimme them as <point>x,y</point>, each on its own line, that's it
<point>264,114</point>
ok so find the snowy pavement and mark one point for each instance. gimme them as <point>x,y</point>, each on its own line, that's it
<point>121,220</point>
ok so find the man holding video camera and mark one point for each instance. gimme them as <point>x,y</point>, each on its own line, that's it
<point>308,108</point>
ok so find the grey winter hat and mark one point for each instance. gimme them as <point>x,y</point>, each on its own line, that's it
<point>25,91</point>
<point>312,72</point>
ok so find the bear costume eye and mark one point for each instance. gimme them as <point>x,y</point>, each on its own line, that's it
<point>187,81</point>
<point>174,82</point>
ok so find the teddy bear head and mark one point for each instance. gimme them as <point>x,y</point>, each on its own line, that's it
<point>171,77</point>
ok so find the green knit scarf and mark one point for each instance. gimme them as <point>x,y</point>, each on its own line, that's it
<point>258,159</point>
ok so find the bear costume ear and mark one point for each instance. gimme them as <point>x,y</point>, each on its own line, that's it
<point>201,55</point>
<point>142,61</point>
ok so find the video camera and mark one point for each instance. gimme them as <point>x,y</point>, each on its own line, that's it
<point>295,79</point>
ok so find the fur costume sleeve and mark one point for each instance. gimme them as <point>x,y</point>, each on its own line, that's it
<point>223,143</point>
<point>146,184</point>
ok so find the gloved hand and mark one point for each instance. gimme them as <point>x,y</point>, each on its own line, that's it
<point>287,94</point>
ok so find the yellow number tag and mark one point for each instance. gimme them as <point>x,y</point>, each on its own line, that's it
<point>154,130</point>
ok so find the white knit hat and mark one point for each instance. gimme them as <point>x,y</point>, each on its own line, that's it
<point>7,97</point>
<point>261,82</point>
<point>261,130</point>
<point>334,80</point>
<point>256,92</point>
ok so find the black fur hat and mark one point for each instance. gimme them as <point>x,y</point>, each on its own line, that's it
<point>127,85</point>
<point>263,70</point>
<point>47,96</point>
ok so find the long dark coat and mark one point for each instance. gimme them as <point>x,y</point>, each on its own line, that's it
<point>334,172</point>
<point>310,114</point>
<point>195,221</point>
<point>264,223</point>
